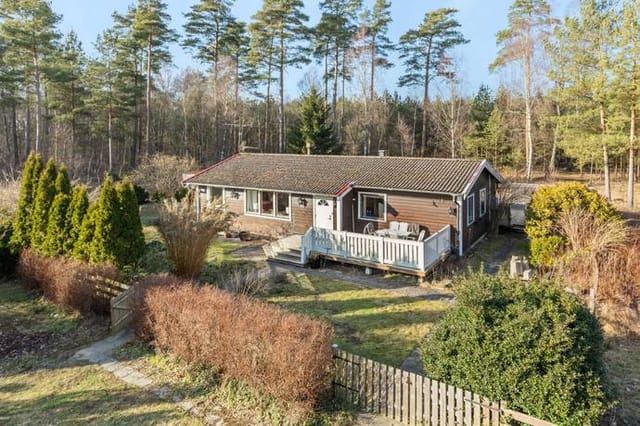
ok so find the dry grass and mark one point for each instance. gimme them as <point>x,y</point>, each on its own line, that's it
<point>622,359</point>
<point>283,354</point>
<point>188,234</point>
<point>68,283</point>
<point>9,194</point>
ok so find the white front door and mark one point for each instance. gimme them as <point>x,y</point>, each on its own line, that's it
<point>323,213</point>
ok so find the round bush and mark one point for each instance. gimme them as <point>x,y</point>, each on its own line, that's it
<point>535,347</point>
<point>546,206</point>
<point>8,258</point>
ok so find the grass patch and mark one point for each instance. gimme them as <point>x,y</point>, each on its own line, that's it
<point>622,360</point>
<point>495,251</point>
<point>81,394</point>
<point>377,324</point>
<point>235,402</point>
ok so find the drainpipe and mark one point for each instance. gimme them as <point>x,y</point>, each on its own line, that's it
<point>459,202</point>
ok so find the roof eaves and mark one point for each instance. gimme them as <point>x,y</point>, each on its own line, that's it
<point>205,170</point>
<point>417,191</point>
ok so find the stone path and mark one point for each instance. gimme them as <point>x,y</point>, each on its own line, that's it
<point>101,353</point>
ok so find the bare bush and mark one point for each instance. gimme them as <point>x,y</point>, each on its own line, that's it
<point>69,283</point>
<point>594,251</point>
<point>244,282</point>
<point>188,233</point>
<point>274,351</point>
<point>161,175</point>
<point>9,194</point>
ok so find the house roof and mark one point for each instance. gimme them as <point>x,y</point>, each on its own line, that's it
<point>329,174</point>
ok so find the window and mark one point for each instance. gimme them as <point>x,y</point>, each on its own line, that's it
<point>268,203</point>
<point>252,201</point>
<point>372,207</point>
<point>283,204</point>
<point>471,209</point>
<point>483,202</point>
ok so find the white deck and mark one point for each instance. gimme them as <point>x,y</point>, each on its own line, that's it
<point>377,251</point>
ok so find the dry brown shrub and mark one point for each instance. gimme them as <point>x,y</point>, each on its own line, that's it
<point>604,256</point>
<point>161,174</point>
<point>9,194</point>
<point>188,233</point>
<point>283,354</point>
<point>69,283</point>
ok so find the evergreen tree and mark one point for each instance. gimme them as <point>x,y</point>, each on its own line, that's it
<point>83,245</point>
<point>75,217</point>
<point>22,225</point>
<point>424,52</point>
<point>530,24</point>
<point>58,226</point>
<point>43,199</point>
<point>63,183</point>
<point>481,108</point>
<point>30,25</point>
<point>151,29</point>
<point>104,245</point>
<point>129,238</point>
<point>315,125</point>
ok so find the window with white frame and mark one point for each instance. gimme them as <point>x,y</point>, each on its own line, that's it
<point>471,209</point>
<point>268,203</point>
<point>372,206</point>
<point>252,201</point>
<point>483,201</point>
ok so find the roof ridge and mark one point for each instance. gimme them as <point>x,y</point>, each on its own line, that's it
<point>355,156</point>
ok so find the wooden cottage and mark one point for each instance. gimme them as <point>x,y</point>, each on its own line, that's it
<point>394,213</point>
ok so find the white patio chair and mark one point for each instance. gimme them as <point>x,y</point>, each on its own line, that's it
<point>368,229</point>
<point>421,236</point>
<point>394,226</point>
<point>413,229</point>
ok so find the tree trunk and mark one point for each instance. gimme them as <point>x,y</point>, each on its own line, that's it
<point>27,130</point>
<point>605,153</point>
<point>632,138</point>
<point>528,139</point>
<point>147,130</point>
<point>38,101</point>
<point>554,147</point>
<point>110,140</point>
<point>281,136</point>
<point>14,136</point>
<point>336,77</point>
<point>425,101</point>
<point>372,91</point>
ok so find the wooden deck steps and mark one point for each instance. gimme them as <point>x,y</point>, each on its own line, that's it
<point>286,250</point>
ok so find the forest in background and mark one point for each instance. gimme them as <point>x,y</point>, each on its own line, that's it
<point>572,104</point>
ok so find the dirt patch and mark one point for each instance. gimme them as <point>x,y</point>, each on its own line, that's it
<point>16,344</point>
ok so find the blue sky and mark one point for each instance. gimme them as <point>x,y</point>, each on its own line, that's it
<point>480,19</point>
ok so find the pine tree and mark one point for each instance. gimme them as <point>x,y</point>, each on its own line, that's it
<point>315,125</point>
<point>75,216</point>
<point>103,246</point>
<point>57,226</point>
<point>530,24</point>
<point>129,238</point>
<point>22,224</point>
<point>424,52</point>
<point>43,199</point>
<point>83,245</point>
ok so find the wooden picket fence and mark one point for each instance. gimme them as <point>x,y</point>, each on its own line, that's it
<point>413,399</point>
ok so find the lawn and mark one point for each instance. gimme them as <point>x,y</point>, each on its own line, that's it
<point>38,384</point>
<point>377,324</point>
<point>622,359</point>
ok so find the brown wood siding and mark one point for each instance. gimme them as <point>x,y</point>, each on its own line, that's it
<point>481,225</point>
<point>302,215</point>
<point>430,211</point>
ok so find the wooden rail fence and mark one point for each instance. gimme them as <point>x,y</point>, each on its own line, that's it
<point>413,399</point>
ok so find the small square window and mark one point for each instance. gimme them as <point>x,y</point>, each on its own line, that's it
<point>373,207</point>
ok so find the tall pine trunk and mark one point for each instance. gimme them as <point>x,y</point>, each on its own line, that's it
<point>147,133</point>
<point>38,90</point>
<point>281,135</point>
<point>14,135</point>
<point>632,139</point>
<point>425,101</point>
<point>605,152</point>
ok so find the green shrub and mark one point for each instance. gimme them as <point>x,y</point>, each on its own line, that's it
<point>43,199</point>
<point>547,203</point>
<point>181,193</point>
<point>58,226</point>
<point>103,247</point>
<point>63,183</point>
<point>535,347</point>
<point>75,216</point>
<point>8,257</point>
<point>21,236</point>
<point>141,194</point>
<point>82,246</point>
<point>129,238</point>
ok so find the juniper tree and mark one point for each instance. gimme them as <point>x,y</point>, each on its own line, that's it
<point>129,237</point>
<point>42,201</point>
<point>22,225</point>
<point>75,215</point>
<point>103,246</point>
<point>82,246</point>
<point>57,226</point>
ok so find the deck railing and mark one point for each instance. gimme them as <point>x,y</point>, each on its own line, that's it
<point>415,255</point>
